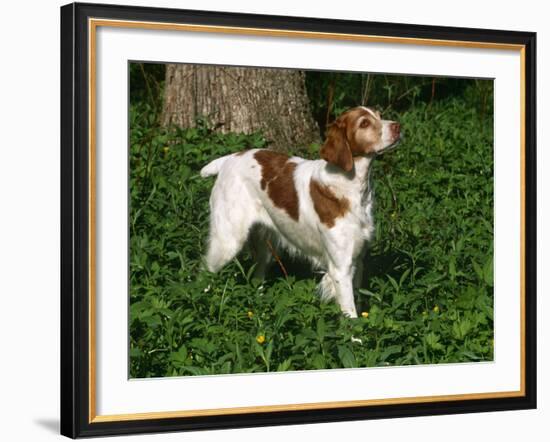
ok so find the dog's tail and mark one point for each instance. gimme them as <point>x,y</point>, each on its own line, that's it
<point>214,167</point>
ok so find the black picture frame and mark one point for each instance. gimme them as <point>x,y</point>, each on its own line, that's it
<point>75,219</point>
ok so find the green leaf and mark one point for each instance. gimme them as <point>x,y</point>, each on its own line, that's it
<point>393,283</point>
<point>285,365</point>
<point>462,328</point>
<point>404,276</point>
<point>319,361</point>
<point>433,341</point>
<point>346,357</point>
<point>135,352</point>
<point>180,355</point>
<point>391,350</point>
<point>452,267</point>
<point>488,272</point>
<point>482,303</point>
<point>376,296</point>
<point>321,329</point>
<point>477,269</point>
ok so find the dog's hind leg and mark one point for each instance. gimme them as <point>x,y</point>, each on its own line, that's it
<point>358,270</point>
<point>224,242</point>
<point>260,250</point>
<point>230,223</point>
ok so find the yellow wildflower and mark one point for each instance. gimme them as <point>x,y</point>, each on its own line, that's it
<point>250,314</point>
<point>365,314</point>
<point>260,339</point>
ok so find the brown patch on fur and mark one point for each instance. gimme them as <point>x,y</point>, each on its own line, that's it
<point>327,205</point>
<point>278,178</point>
<point>336,148</point>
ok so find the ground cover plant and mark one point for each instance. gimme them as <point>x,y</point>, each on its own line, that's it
<point>428,292</point>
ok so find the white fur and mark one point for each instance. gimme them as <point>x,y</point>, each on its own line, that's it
<point>241,210</point>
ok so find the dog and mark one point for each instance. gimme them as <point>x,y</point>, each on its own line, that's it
<point>320,210</point>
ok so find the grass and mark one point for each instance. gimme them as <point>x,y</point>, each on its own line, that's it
<point>428,296</point>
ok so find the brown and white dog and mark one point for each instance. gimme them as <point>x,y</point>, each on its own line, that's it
<point>320,209</point>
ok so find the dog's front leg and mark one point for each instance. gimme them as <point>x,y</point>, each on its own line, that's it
<point>342,277</point>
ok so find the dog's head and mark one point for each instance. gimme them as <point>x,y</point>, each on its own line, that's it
<point>358,132</point>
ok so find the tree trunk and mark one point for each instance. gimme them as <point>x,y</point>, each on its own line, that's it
<point>241,99</point>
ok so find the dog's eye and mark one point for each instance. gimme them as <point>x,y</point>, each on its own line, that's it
<point>365,123</point>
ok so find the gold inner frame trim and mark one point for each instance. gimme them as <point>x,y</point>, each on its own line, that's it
<point>299,34</point>
<point>306,406</point>
<point>92,28</point>
<point>522,220</point>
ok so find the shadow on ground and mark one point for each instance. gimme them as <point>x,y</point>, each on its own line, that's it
<point>50,424</point>
<point>377,264</point>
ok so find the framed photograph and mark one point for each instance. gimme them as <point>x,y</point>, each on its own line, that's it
<point>272,220</point>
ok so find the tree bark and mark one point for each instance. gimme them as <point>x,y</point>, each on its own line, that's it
<point>242,99</point>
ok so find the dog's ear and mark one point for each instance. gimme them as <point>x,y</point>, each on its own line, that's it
<point>336,149</point>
